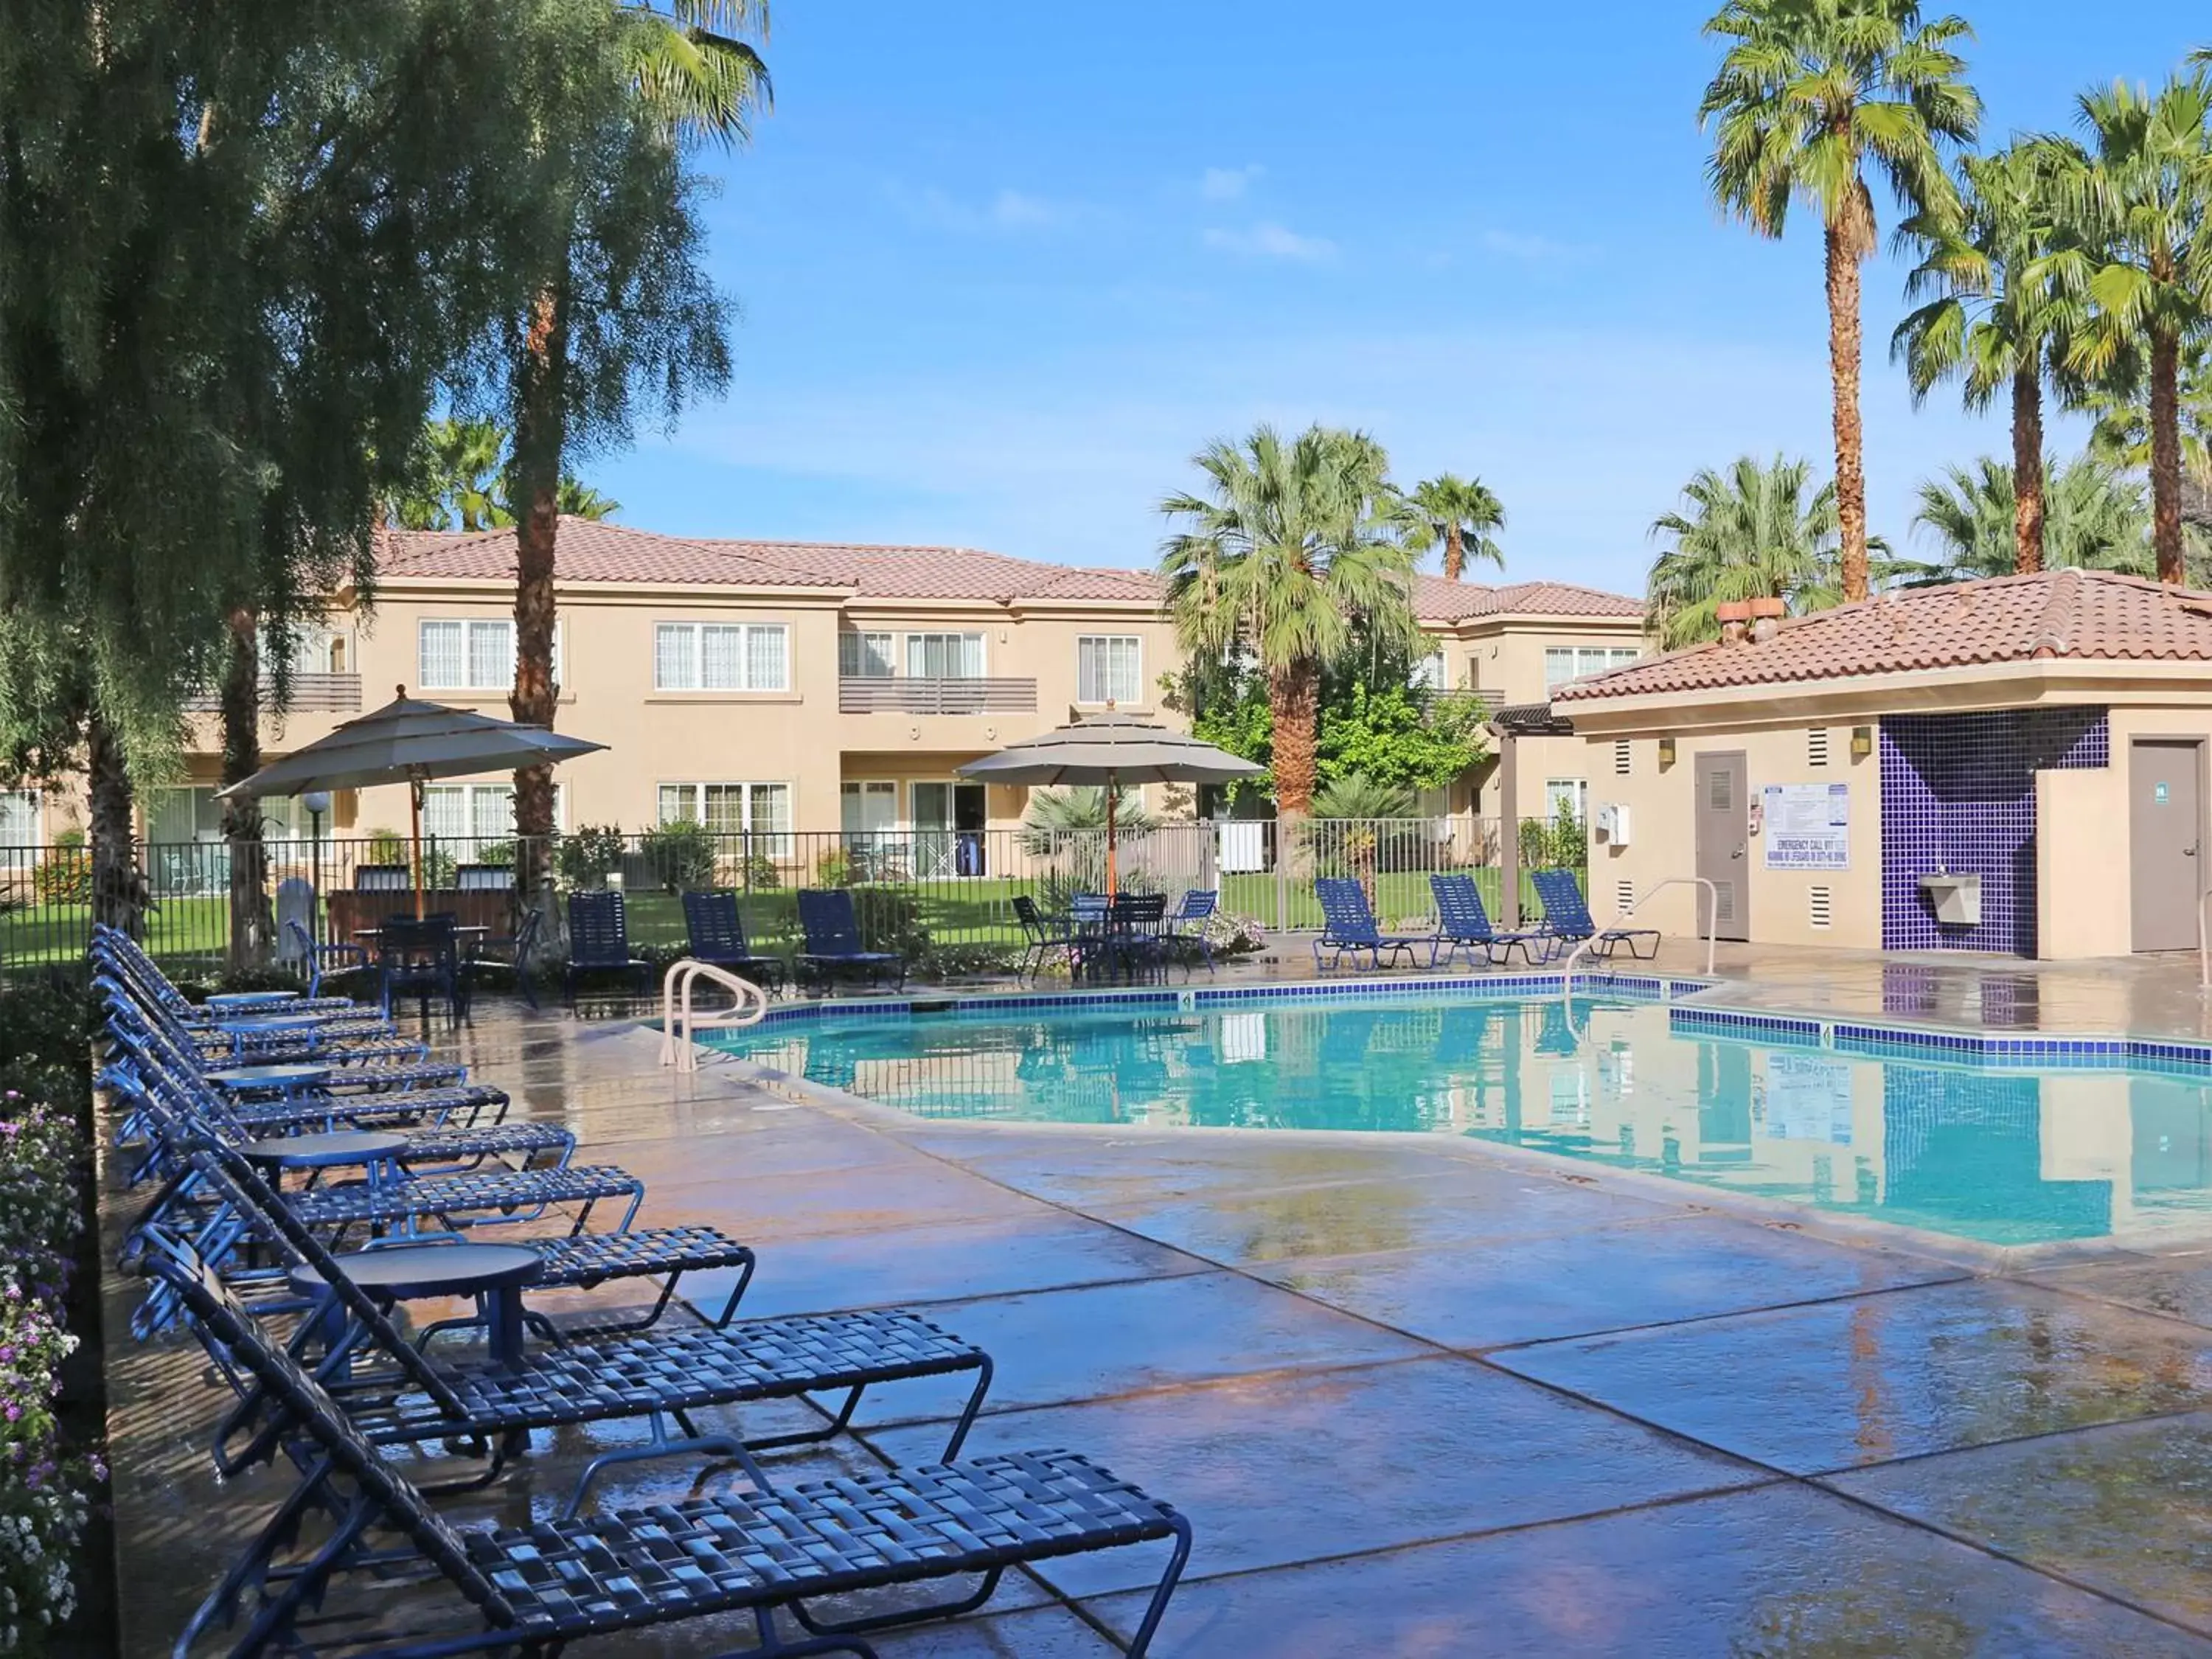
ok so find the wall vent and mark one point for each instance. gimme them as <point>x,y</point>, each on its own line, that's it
<point>1624,896</point>
<point>1821,903</point>
<point>1816,746</point>
<point>1620,757</point>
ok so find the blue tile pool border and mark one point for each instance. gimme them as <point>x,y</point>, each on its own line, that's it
<point>1996,1050</point>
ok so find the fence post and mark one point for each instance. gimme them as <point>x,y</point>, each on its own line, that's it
<point>1282,877</point>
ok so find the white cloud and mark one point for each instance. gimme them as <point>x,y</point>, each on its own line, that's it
<point>1009,210</point>
<point>1269,240</point>
<point>1526,246</point>
<point>1228,184</point>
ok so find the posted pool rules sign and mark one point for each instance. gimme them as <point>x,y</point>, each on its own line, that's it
<point>1807,826</point>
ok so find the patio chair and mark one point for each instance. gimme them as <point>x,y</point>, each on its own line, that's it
<point>420,959</point>
<point>537,1589</point>
<point>510,953</point>
<point>1567,917</point>
<point>1041,936</point>
<point>1462,924</point>
<point>1348,928</point>
<point>127,959</point>
<point>1187,923</point>
<point>321,960</point>
<point>716,931</point>
<point>599,943</point>
<point>832,926</point>
<point>1137,930</point>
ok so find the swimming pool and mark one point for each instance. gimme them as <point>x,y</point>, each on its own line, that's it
<point>2005,1141</point>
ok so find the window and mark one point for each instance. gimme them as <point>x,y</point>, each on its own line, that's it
<point>1572,793</point>
<point>183,814</point>
<point>1109,668</point>
<point>1430,673</point>
<point>471,656</point>
<point>474,812</point>
<point>731,809</point>
<point>1563,663</point>
<point>721,657</point>
<point>869,807</point>
<point>944,656</point>
<point>866,656</point>
<point>19,818</point>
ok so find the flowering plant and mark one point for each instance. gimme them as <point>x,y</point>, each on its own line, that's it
<point>44,1492</point>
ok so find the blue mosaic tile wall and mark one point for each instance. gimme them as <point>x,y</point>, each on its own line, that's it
<point>1958,792</point>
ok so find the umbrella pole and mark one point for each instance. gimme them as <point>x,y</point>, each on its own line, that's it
<point>1113,875</point>
<point>415,835</point>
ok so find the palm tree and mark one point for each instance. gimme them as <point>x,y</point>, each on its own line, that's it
<point>1751,533</point>
<point>2121,406</point>
<point>1809,95</point>
<point>577,500</point>
<point>698,78</point>
<point>1366,805</point>
<point>1996,320</point>
<point>1293,556</point>
<point>2097,520</point>
<point>2141,189</point>
<point>1462,514</point>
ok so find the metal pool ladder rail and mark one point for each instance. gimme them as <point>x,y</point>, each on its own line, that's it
<point>678,1022</point>
<point>1713,922</point>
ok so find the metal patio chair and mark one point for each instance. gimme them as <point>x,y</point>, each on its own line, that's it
<point>1463,925</point>
<point>1567,918</point>
<point>831,925</point>
<point>716,932</point>
<point>1348,928</point>
<point>599,943</point>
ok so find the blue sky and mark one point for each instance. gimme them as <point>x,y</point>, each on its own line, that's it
<point>1003,266</point>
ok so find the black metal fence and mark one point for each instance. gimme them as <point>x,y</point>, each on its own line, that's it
<point>943,888</point>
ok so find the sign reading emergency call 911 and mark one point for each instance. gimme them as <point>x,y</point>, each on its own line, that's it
<point>1807,826</point>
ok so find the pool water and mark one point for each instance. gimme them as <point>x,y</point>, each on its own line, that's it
<point>2004,1156</point>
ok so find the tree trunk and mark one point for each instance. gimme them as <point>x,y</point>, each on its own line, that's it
<point>2166,455</point>
<point>2027,470</point>
<point>253,926</point>
<point>1845,254</point>
<point>119,891</point>
<point>1455,551</point>
<point>540,434</point>
<point>1294,700</point>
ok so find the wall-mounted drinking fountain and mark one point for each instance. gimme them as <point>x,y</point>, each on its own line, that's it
<point>1956,897</point>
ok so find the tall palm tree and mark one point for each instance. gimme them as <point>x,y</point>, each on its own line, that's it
<point>1996,320</point>
<point>1753,532</point>
<point>1292,556</point>
<point>696,75</point>
<point>1462,514</point>
<point>2141,189</point>
<point>1811,94</point>
<point>2120,405</point>
<point>2097,520</point>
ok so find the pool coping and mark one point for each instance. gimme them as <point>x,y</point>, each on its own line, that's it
<point>1861,1038</point>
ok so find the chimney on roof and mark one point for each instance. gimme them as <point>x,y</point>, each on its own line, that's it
<point>1735,615</point>
<point>1767,615</point>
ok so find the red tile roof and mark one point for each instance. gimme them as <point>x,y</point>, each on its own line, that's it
<point>2065,615</point>
<point>1436,599</point>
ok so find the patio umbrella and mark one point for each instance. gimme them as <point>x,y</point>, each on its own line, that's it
<point>1110,749</point>
<point>417,741</point>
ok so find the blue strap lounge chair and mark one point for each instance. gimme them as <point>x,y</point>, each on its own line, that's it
<point>538,1588</point>
<point>1348,928</point>
<point>1567,917</point>
<point>599,943</point>
<point>1462,924</point>
<point>833,946</point>
<point>717,935</point>
<point>1186,929</point>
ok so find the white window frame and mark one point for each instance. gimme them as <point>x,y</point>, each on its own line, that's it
<point>1583,659</point>
<point>920,638</point>
<point>34,801</point>
<point>1574,789</point>
<point>862,790</point>
<point>854,660</point>
<point>774,840</point>
<point>744,632</point>
<point>472,793</point>
<point>1431,672</point>
<point>468,625</point>
<point>1112,694</point>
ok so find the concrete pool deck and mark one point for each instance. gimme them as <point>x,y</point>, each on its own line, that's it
<point>1416,1400</point>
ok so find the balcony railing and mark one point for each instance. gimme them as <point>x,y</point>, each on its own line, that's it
<point>864,694</point>
<point>312,694</point>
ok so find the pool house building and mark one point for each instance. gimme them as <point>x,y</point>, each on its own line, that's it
<point>2014,765</point>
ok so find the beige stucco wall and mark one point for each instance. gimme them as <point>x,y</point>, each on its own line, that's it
<point>1662,836</point>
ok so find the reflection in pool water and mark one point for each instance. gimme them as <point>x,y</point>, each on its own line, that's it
<point>2007,1156</point>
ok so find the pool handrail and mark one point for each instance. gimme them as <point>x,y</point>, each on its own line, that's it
<point>678,1022</point>
<point>1713,922</point>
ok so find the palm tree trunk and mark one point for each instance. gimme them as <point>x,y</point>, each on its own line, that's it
<point>1454,552</point>
<point>1843,354</point>
<point>2027,470</point>
<point>540,434</point>
<point>2166,455</point>
<point>252,927</point>
<point>119,893</point>
<point>1294,700</point>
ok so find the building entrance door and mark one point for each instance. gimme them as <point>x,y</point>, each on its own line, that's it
<point>2165,841</point>
<point>948,829</point>
<point>1723,783</point>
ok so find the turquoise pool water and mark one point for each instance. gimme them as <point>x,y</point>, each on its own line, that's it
<point>2003,1154</point>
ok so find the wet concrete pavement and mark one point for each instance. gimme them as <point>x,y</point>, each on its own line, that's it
<point>1417,1401</point>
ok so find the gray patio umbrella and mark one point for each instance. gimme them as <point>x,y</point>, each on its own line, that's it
<point>1110,750</point>
<point>417,741</point>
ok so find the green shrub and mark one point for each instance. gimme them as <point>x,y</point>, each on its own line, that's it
<point>680,856</point>
<point>762,874</point>
<point>385,847</point>
<point>589,855</point>
<point>64,876</point>
<point>834,868</point>
<point>890,920</point>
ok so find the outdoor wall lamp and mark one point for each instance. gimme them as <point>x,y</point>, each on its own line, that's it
<point>1666,751</point>
<point>1861,742</point>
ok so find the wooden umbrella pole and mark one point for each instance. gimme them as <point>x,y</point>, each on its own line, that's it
<point>415,835</point>
<point>1113,872</point>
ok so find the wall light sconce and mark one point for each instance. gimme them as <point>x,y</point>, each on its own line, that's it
<point>1861,742</point>
<point>1666,751</point>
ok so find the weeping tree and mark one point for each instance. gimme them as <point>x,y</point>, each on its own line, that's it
<point>243,252</point>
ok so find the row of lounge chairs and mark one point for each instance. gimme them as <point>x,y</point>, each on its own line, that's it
<point>599,942</point>
<point>272,1135</point>
<point>1463,930</point>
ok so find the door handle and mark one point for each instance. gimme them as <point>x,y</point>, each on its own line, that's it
<point>2189,852</point>
<point>1739,852</point>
